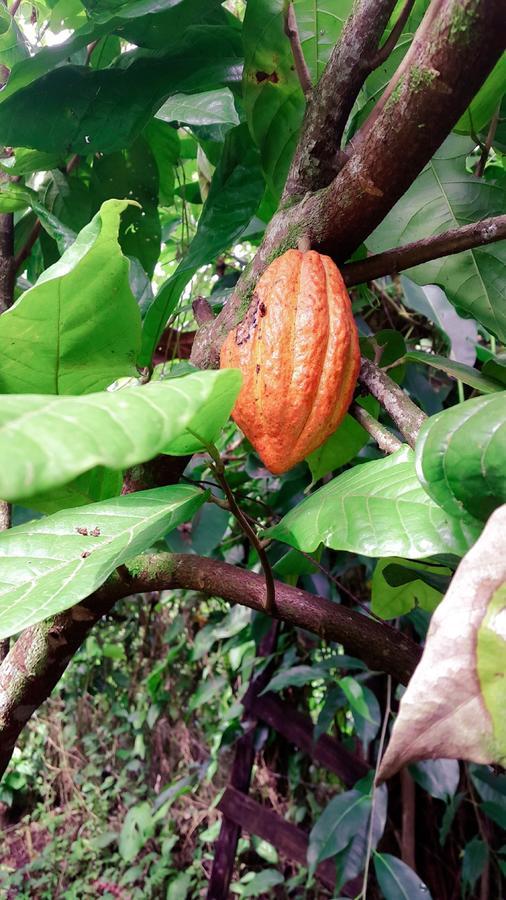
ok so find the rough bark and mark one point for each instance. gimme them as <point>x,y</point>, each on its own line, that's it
<point>317,160</point>
<point>390,262</point>
<point>456,47</point>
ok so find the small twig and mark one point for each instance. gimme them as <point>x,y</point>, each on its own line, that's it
<point>406,414</point>
<point>89,52</point>
<point>485,150</point>
<point>292,33</point>
<point>399,258</point>
<point>384,438</point>
<point>270,591</point>
<point>363,893</point>
<point>14,8</point>
<point>384,52</point>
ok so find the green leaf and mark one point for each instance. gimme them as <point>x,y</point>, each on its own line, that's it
<point>397,881</point>
<point>234,195</point>
<point>97,484</point>
<point>439,777</point>
<point>342,818</point>
<point>490,655</point>
<point>165,147</point>
<point>14,197</point>
<point>62,564</point>
<point>12,46</point>
<point>392,597</point>
<point>273,99</point>
<point>354,693</point>
<point>460,456</point>
<point>486,101</point>
<point>467,374</point>
<point>209,108</point>
<point>376,509</point>
<point>133,174</point>
<point>25,161</point>
<point>137,828</point>
<point>453,707</point>
<point>474,861</point>
<point>296,676</point>
<point>445,196</point>
<point>320,23</point>
<point>54,439</point>
<point>81,110</point>
<point>338,449</point>
<point>78,328</point>
<point>260,884</point>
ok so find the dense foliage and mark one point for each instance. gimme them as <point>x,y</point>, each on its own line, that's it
<point>146,163</point>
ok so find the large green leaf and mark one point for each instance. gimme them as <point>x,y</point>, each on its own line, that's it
<point>273,98</point>
<point>132,173</point>
<point>234,195</point>
<point>78,328</point>
<point>446,196</point>
<point>453,707</point>
<point>51,440</point>
<point>82,110</point>
<point>52,563</point>
<point>377,509</point>
<point>461,456</point>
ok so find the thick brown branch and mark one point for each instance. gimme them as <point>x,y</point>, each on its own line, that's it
<point>448,61</point>
<point>400,258</point>
<point>316,159</point>
<point>39,657</point>
<point>406,415</point>
<point>292,33</point>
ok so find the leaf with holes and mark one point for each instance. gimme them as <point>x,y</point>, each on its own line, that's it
<point>453,707</point>
<point>446,196</point>
<point>51,440</point>
<point>273,99</point>
<point>461,456</point>
<point>52,563</point>
<point>378,509</point>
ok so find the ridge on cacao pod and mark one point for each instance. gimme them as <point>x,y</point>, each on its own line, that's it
<point>298,351</point>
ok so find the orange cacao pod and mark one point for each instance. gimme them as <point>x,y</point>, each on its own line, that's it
<point>298,352</point>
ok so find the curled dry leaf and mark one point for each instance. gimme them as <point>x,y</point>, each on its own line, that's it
<point>454,704</point>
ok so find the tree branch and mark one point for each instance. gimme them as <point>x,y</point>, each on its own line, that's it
<point>440,74</point>
<point>316,158</point>
<point>456,240</point>
<point>384,438</point>
<point>487,146</point>
<point>292,33</point>
<point>406,415</point>
<point>385,51</point>
<point>41,654</point>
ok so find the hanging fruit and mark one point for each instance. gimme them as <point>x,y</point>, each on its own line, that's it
<point>298,352</point>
